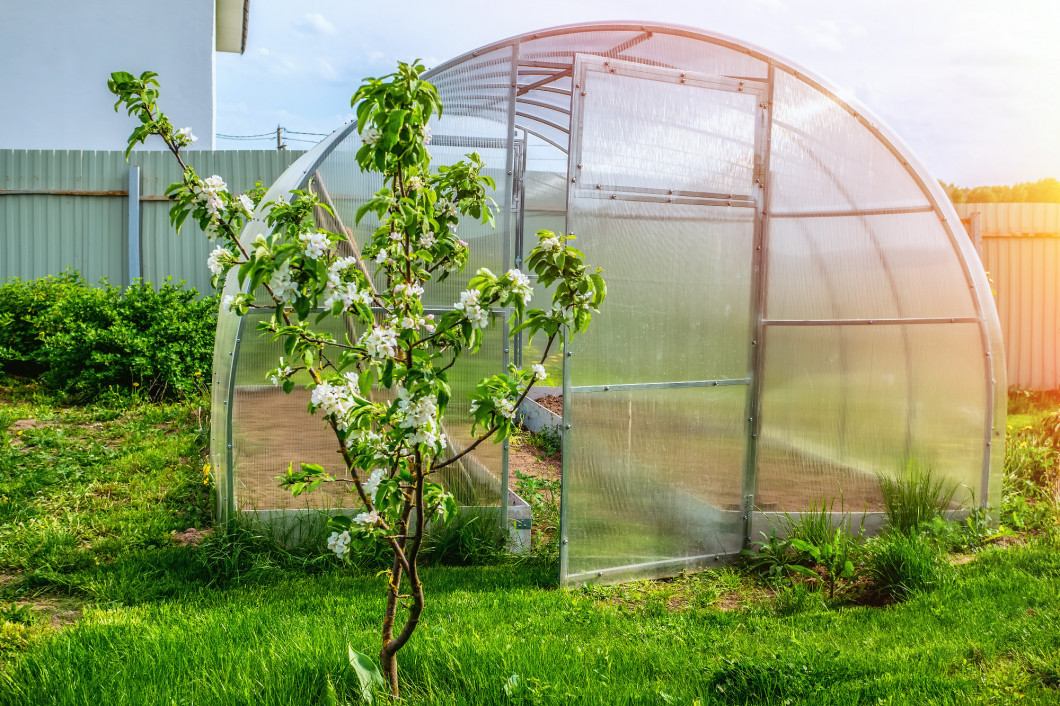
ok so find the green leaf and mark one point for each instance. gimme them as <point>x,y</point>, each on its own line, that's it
<point>367,673</point>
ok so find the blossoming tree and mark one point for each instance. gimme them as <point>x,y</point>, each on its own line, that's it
<point>383,392</point>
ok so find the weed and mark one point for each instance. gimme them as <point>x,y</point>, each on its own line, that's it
<point>900,564</point>
<point>543,496</point>
<point>915,497</point>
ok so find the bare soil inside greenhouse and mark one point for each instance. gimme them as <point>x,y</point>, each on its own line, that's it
<point>263,419</point>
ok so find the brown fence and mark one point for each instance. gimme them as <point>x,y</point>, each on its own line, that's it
<point>1021,254</point>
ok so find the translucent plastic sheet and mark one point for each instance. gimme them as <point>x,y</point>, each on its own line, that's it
<point>841,404</point>
<point>883,266</point>
<point>664,135</point>
<point>679,291</point>
<point>824,159</point>
<point>654,481</point>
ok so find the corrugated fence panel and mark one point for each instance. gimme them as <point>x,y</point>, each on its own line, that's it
<point>1021,253</point>
<point>69,208</point>
<point>183,256</point>
<point>104,220</point>
<point>1002,219</point>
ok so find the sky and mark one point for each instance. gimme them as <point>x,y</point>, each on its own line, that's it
<point>971,86</point>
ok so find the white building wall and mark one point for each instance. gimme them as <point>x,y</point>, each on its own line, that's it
<point>56,57</point>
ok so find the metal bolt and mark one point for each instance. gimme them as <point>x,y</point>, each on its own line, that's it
<point>598,187</point>
<point>599,574</point>
<point>754,436</point>
<point>754,342</point>
<point>564,541</point>
<point>573,180</point>
<point>238,340</point>
<point>614,196</point>
<point>579,165</point>
<point>505,350</point>
<point>229,446</point>
<point>607,388</point>
<point>745,517</point>
<point>750,419</point>
<point>568,426</point>
<point>509,172</point>
<point>570,353</point>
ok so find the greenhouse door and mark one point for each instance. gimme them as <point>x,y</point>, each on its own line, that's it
<point>663,195</point>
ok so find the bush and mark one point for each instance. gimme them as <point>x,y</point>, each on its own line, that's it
<point>900,564</point>
<point>84,340</point>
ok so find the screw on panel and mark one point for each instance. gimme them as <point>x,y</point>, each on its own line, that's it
<point>564,541</point>
<point>598,187</point>
<point>614,196</point>
<point>570,353</point>
<point>607,388</point>
<point>568,426</point>
<point>509,172</point>
<point>505,350</point>
<point>573,180</point>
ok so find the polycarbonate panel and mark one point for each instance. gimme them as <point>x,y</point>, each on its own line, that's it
<point>824,159</point>
<point>477,478</point>
<point>658,46</point>
<point>678,291</point>
<point>272,430</point>
<point>841,404</point>
<point>653,480</point>
<point>887,266</point>
<point>644,129</point>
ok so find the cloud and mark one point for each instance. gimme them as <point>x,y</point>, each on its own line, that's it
<point>822,34</point>
<point>315,23</point>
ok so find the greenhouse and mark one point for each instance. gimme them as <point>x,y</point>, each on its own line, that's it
<point>793,306</point>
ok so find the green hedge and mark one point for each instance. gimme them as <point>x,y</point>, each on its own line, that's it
<point>85,341</point>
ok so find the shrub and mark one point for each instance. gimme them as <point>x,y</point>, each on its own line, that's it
<point>900,564</point>
<point>915,497</point>
<point>85,340</point>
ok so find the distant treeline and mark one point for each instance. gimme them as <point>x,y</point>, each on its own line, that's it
<point>1044,191</point>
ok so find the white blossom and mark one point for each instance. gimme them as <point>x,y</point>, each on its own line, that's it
<point>551,244</point>
<point>227,303</point>
<point>505,406</point>
<point>373,481</point>
<point>213,202</point>
<point>468,303</point>
<point>427,239</point>
<point>247,203</point>
<point>218,259</point>
<point>425,134</point>
<point>412,290</point>
<point>283,373</point>
<point>339,543</point>
<point>520,285</point>
<point>367,518</point>
<point>539,371</point>
<point>415,183</point>
<point>315,244</point>
<point>185,137</point>
<point>395,236</point>
<point>283,284</point>
<point>446,208</point>
<point>380,342</point>
<point>370,136</point>
<point>214,184</point>
<point>381,257</point>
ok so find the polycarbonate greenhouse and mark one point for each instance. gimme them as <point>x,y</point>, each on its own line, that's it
<point>794,307</point>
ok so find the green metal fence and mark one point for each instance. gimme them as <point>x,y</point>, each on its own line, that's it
<point>105,217</point>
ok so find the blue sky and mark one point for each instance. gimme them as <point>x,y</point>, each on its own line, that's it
<point>972,86</point>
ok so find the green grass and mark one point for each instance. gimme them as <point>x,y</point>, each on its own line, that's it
<point>238,620</point>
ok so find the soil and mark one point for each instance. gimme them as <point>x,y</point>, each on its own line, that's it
<point>531,460</point>
<point>190,537</point>
<point>262,451</point>
<point>553,403</point>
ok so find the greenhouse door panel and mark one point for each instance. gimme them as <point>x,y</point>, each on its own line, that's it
<point>662,194</point>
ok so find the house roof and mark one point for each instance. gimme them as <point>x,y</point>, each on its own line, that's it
<point>232,18</point>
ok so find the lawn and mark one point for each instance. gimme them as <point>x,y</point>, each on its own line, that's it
<point>110,601</point>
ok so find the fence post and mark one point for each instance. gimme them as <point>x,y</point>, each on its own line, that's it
<point>135,244</point>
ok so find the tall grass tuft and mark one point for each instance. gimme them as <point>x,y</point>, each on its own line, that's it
<point>901,564</point>
<point>915,497</point>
